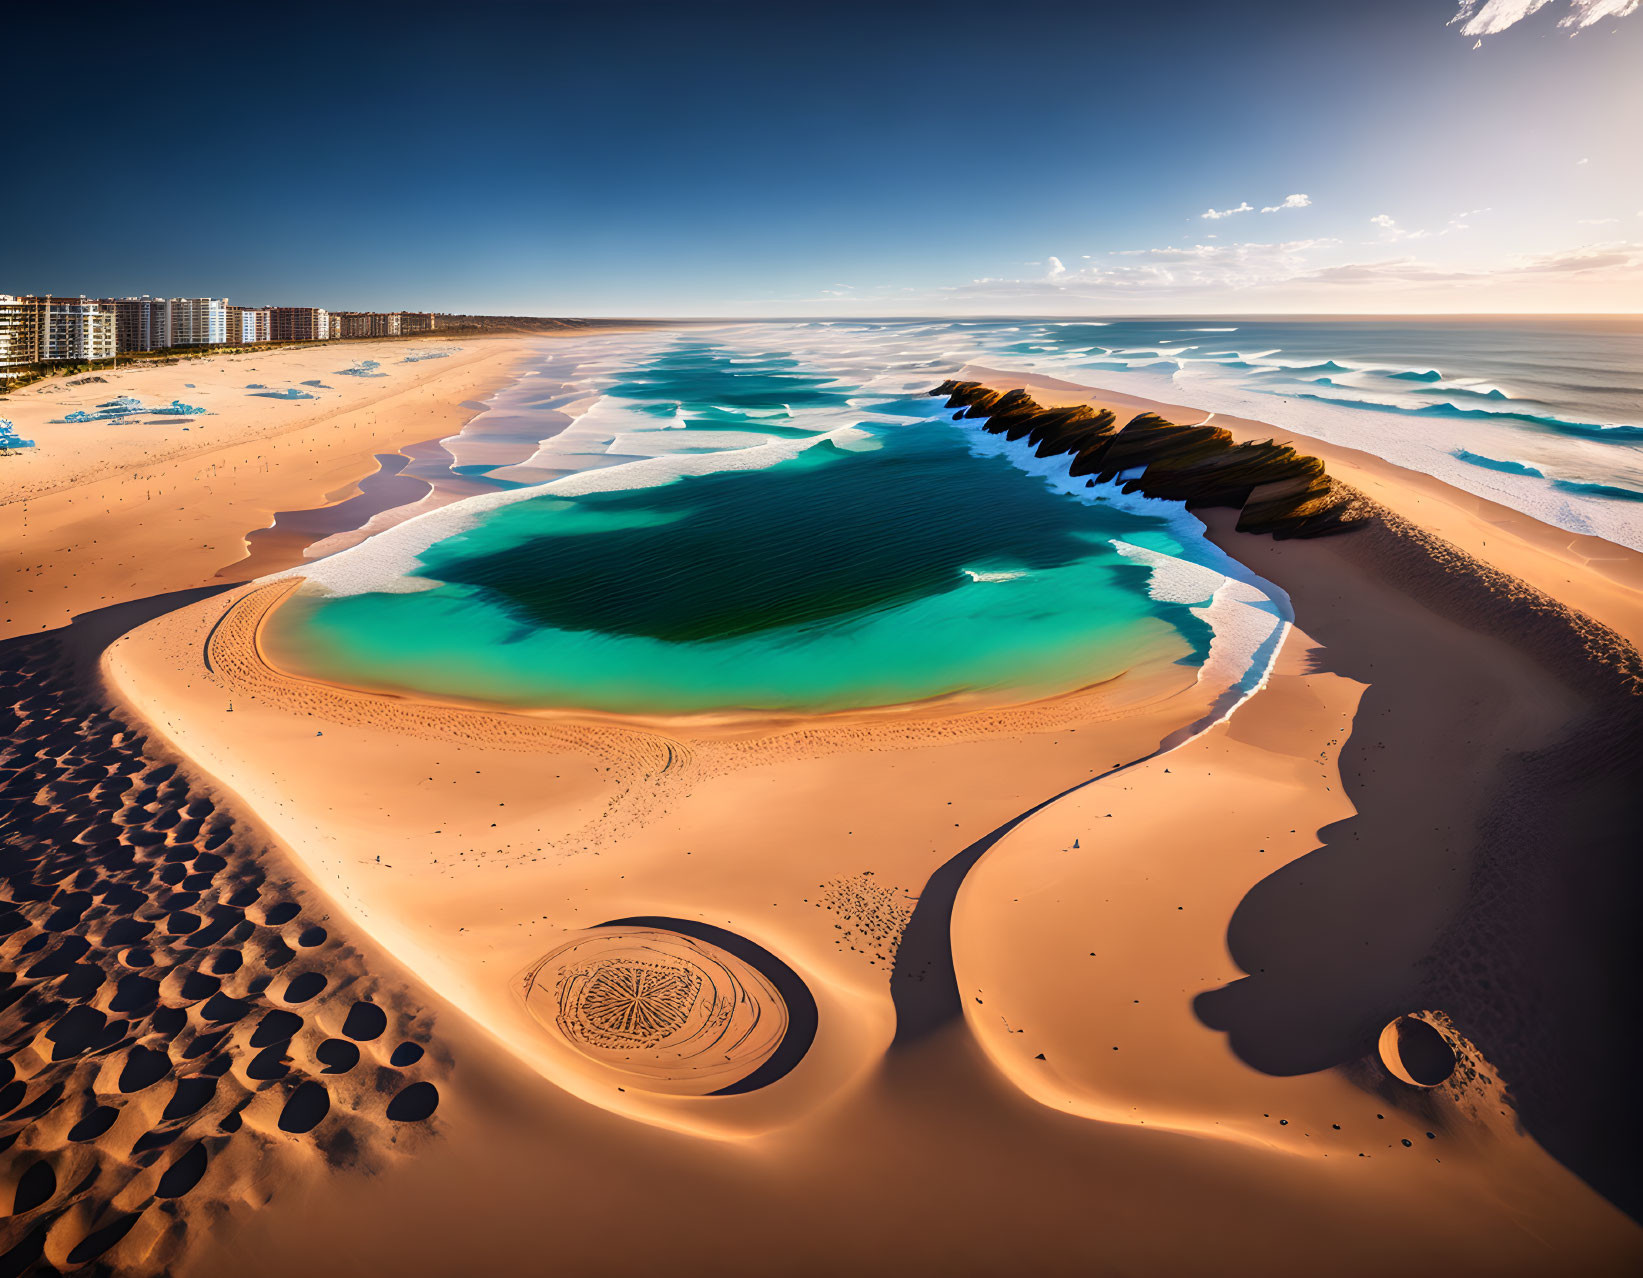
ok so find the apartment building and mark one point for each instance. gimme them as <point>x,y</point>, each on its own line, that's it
<point>19,336</point>
<point>140,323</point>
<point>253,324</point>
<point>298,324</point>
<point>46,330</point>
<point>199,321</point>
<point>73,329</point>
<point>35,330</point>
<point>379,323</point>
<point>349,324</point>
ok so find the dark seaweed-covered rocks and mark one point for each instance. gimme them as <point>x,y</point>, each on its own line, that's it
<point>1274,488</point>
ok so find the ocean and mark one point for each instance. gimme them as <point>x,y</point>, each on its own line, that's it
<point>776,516</point>
<point>1543,414</point>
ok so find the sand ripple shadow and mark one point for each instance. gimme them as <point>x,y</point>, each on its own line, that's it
<point>147,1076</point>
<point>673,1006</point>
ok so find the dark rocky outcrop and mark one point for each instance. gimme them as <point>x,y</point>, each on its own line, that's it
<point>1274,488</point>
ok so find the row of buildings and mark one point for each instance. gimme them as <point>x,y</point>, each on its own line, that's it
<point>53,330</point>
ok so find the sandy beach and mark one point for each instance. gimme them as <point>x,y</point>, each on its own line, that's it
<point>1091,983</point>
<point>106,511</point>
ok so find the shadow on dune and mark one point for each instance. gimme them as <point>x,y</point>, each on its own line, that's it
<point>1492,871</point>
<point>923,982</point>
<point>83,640</point>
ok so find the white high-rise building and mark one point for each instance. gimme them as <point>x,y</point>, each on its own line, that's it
<point>254,324</point>
<point>199,321</point>
<point>75,329</point>
<point>53,330</point>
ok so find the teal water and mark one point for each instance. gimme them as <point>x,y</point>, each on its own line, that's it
<point>886,562</point>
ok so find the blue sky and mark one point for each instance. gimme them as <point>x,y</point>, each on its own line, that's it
<point>712,159</point>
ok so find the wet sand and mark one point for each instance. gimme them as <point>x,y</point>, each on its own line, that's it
<point>293,532</point>
<point>103,512</point>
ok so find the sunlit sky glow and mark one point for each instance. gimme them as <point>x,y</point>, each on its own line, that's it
<point>849,159</point>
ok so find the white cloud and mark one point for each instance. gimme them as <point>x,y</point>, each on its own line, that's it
<point>1396,270</point>
<point>1491,17</point>
<point>1304,274</point>
<point>1290,202</point>
<point>1403,271</point>
<point>1583,161</point>
<point>1594,257</point>
<point>1392,232</point>
<point>1140,272</point>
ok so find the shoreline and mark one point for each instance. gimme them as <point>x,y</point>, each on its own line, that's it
<point>1594,576</point>
<point>346,510</point>
<point>110,511</point>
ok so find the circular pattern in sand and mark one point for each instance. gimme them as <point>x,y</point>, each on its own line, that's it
<point>669,1012</point>
<point>1414,1051</point>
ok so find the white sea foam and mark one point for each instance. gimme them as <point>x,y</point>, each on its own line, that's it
<point>1247,615</point>
<point>385,564</point>
<point>658,443</point>
<point>1405,439</point>
<point>1482,389</point>
<point>1174,580</point>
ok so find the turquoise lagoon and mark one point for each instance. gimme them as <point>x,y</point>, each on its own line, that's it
<point>740,530</point>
